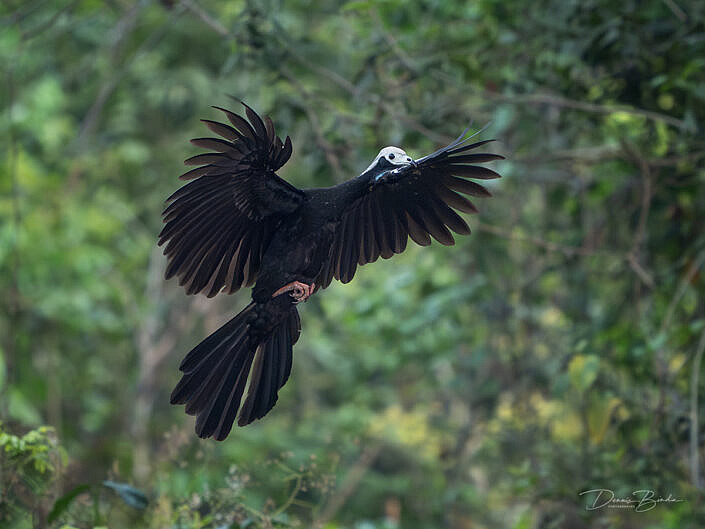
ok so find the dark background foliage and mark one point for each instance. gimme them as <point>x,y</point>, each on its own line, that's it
<point>557,349</point>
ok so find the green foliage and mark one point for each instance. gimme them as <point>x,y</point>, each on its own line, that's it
<point>485,385</point>
<point>29,466</point>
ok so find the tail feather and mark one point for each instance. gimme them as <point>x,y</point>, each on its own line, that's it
<point>215,341</point>
<point>205,361</point>
<point>227,418</point>
<point>203,395</point>
<point>293,332</point>
<point>215,372</point>
<point>259,387</point>
<point>225,399</point>
<point>271,370</point>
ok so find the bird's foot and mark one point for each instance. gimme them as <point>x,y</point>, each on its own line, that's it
<point>299,291</point>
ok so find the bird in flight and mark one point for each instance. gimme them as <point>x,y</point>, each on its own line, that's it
<point>237,223</point>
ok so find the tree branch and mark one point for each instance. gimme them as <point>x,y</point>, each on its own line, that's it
<point>206,18</point>
<point>349,484</point>
<point>676,10</point>
<point>568,251</point>
<point>558,101</point>
<point>321,141</point>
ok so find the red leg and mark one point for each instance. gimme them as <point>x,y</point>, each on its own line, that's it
<point>299,291</point>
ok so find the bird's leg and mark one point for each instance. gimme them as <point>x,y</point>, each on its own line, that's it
<point>299,291</point>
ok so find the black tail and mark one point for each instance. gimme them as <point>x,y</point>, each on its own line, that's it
<point>216,370</point>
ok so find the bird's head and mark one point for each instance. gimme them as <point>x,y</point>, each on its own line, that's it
<point>388,158</point>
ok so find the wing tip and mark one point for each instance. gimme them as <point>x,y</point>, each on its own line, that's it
<point>235,98</point>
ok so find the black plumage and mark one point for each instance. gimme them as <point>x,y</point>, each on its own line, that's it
<point>237,223</point>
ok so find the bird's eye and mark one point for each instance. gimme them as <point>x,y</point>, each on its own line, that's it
<point>391,156</point>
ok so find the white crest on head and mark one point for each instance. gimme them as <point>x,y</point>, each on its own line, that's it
<point>393,155</point>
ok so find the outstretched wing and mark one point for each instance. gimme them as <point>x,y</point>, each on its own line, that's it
<point>417,201</point>
<point>218,226</point>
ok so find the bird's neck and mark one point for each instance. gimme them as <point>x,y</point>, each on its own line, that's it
<point>373,174</point>
<point>377,171</point>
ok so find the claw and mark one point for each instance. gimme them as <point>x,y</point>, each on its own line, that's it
<point>299,291</point>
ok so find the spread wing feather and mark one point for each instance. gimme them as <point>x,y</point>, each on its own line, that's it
<point>218,225</point>
<point>418,202</point>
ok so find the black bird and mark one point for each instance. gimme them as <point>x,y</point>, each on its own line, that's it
<point>237,223</point>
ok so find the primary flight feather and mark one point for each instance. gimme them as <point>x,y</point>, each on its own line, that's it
<point>237,223</point>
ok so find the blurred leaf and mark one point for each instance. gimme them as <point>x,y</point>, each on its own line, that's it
<point>63,503</point>
<point>583,371</point>
<point>599,416</point>
<point>130,495</point>
<point>21,408</point>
